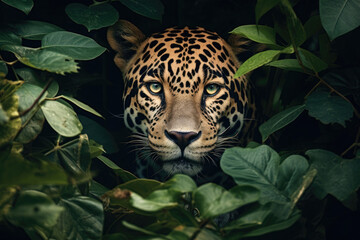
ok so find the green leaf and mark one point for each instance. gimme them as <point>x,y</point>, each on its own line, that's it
<point>256,61</point>
<point>32,173</point>
<point>263,6</point>
<point>4,118</point>
<point>33,121</point>
<point>294,25</point>
<point>311,61</point>
<point>81,105</point>
<point>43,59</point>
<point>123,174</point>
<point>180,183</point>
<point>287,64</point>
<point>61,118</point>
<point>312,26</point>
<point>152,205</point>
<point>73,45</point>
<point>328,108</point>
<point>143,187</point>
<point>8,37</point>
<point>213,200</point>
<point>10,116</point>
<point>83,219</point>
<point>3,69</point>
<point>339,16</point>
<point>149,8</point>
<point>22,5</point>
<point>336,176</point>
<point>34,30</point>
<point>34,209</point>
<point>94,16</point>
<point>257,33</point>
<point>280,120</point>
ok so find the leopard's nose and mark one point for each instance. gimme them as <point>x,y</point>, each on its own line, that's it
<point>182,139</point>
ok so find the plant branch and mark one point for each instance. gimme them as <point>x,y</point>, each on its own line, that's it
<point>201,227</point>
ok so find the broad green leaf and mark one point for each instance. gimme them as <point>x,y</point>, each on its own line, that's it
<point>143,187</point>
<point>34,30</point>
<point>43,59</point>
<point>263,6</point>
<point>123,174</point>
<point>33,121</point>
<point>73,45</point>
<point>95,149</point>
<point>96,189</point>
<point>311,61</point>
<point>92,17</point>
<point>328,108</point>
<point>3,69</point>
<point>213,200</point>
<point>256,61</point>
<point>257,33</point>
<point>9,106</point>
<point>34,209</point>
<point>280,120</point>
<point>32,173</point>
<point>294,25</point>
<point>339,16</point>
<point>8,37</point>
<point>336,176</point>
<point>149,8</point>
<point>180,183</point>
<point>81,105</point>
<point>150,206</point>
<point>22,5</point>
<point>61,118</point>
<point>99,134</point>
<point>287,64</point>
<point>82,219</point>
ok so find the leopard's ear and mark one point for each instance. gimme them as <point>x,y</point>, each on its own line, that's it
<point>125,38</point>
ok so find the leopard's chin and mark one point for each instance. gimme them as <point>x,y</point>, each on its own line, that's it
<point>183,166</point>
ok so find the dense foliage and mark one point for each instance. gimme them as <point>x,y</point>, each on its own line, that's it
<point>55,156</point>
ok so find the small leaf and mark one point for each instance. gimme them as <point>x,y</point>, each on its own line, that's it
<point>311,61</point>
<point>149,8</point>
<point>287,64</point>
<point>94,16</point>
<point>71,44</point>
<point>123,174</point>
<point>336,176</point>
<point>257,33</point>
<point>280,120</point>
<point>34,209</point>
<point>328,108</point>
<point>81,105</point>
<point>61,118</point>
<point>263,6</point>
<point>43,59</point>
<point>339,16</point>
<point>22,5</point>
<point>34,30</point>
<point>213,200</point>
<point>256,61</point>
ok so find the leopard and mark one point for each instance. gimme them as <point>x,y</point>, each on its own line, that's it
<point>181,100</point>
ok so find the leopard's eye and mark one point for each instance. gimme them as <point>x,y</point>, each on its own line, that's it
<point>154,88</point>
<point>212,89</point>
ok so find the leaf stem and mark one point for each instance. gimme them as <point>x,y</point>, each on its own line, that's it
<point>201,227</point>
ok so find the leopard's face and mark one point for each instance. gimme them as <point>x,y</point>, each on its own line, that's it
<point>181,95</point>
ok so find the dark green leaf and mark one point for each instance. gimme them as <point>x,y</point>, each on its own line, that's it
<point>328,108</point>
<point>141,186</point>
<point>123,174</point>
<point>97,189</point>
<point>34,30</point>
<point>263,6</point>
<point>213,200</point>
<point>280,120</point>
<point>287,64</point>
<point>22,5</point>
<point>92,17</point>
<point>311,61</point>
<point>3,69</point>
<point>149,8</point>
<point>61,118</point>
<point>4,118</point>
<point>339,16</point>
<point>7,37</point>
<point>180,183</point>
<point>43,59</point>
<point>257,33</point>
<point>81,105</point>
<point>312,26</point>
<point>34,209</point>
<point>152,205</point>
<point>71,44</point>
<point>95,149</point>
<point>336,176</point>
<point>82,219</point>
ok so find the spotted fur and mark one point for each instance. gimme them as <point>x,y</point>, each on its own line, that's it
<point>182,128</point>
